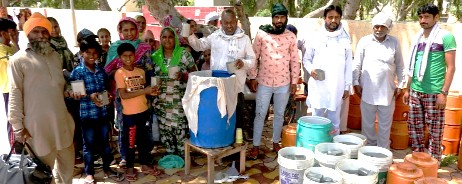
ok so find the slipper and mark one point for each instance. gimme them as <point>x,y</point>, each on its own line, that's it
<point>123,165</point>
<point>114,175</point>
<point>131,177</point>
<point>86,181</point>
<point>153,172</point>
<point>253,154</point>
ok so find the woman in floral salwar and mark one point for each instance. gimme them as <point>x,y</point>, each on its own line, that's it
<point>168,107</point>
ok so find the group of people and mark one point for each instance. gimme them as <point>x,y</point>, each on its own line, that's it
<point>47,113</point>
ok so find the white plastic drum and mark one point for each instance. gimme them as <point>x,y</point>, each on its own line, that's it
<point>293,161</point>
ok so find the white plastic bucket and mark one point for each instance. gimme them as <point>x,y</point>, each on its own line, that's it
<point>326,172</point>
<point>358,142</point>
<point>350,164</point>
<point>361,136</point>
<point>330,161</point>
<point>381,163</point>
<point>291,171</point>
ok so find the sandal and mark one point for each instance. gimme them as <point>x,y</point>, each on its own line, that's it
<point>253,153</point>
<point>132,177</point>
<point>114,175</point>
<point>276,147</point>
<point>86,181</point>
<point>153,171</point>
<point>123,165</point>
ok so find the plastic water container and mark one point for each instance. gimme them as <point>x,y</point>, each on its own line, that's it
<point>326,172</point>
<point>350,164</point>
<point>364,154</point>
<point>213,130</point>
<point>361,136</point>
<point>313,130</point>
<point>356,143</point>
<point>326,160</point>
<point>293,161</point>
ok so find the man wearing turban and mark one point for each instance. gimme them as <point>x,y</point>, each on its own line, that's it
<point>275,75</point>
<point>38,113</point>
<point>378,60</point>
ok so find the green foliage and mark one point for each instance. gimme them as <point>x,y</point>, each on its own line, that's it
<point>140,3</point>
<point>263,13</point>
<point>456,8</point>
<point>448,160</point>
<point>79,4</point>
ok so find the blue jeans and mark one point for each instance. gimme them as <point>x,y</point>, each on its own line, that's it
<point>95,133</point>
<point>136,135</point>
<point>280,99</point>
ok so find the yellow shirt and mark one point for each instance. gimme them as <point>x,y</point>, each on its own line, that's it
<point>5,50</point>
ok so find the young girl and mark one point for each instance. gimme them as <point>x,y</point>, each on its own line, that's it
<point>104,37</point>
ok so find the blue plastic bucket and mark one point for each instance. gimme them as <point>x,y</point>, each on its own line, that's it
<point>312,130</point>
<point>213,130</point>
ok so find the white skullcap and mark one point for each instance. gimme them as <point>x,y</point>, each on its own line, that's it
<point>211,16</point>
<point>382,19</point>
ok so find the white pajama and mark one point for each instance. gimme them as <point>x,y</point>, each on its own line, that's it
<point>385,115</point>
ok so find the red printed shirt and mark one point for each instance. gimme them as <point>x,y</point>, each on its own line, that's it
<point>278,61</point>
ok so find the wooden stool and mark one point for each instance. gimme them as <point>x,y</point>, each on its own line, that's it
<point>213,155</point>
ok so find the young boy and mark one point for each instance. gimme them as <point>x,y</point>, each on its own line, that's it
<point>8,46</point>
<point>130,82</point>
<point>93,113</point>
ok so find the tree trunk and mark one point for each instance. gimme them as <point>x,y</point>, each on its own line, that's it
<point>320,11</point>
<point>242,17</point>
<point>161,8</point>
<point>65,4</point>
<point>351,7</point>
<point>5,3</point>
<point>104,6</point>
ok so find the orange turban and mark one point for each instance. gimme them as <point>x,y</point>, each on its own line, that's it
<point>36,20</point>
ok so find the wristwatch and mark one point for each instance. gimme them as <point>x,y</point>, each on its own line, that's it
<point>445,93</point>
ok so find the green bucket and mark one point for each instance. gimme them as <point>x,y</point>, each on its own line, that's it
<point>312,130</point>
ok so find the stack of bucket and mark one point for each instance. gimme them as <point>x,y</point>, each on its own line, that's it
<point>326,159</point>
<point>354,113</point>
<point>312,130</point>
<point>453,120</point>
<point>353,165</point>
<point>293,161</point>
<point>380,157</point>
<point>399,135</point>
<point>353,143</point>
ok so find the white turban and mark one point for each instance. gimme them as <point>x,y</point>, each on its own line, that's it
<point>383,20</point>
<point>211,16</point>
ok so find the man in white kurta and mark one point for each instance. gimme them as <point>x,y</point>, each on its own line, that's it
<point>37,111</point>
<point>329,49</point>
<point>378,61</point>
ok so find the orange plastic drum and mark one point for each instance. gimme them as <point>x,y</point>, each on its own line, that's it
<point>459,162</point>
<point>399,135</point>
<point>354,99</point>
<point>454,100</point>
<point>453,116</point>
<point>451,132</point>
<point>450,146</point>
<point>425,162</point>
<point>354,117</point>
<point>403,173</point>
<point>289,135</point>
<point>431,180</point>
<point>401,112</point>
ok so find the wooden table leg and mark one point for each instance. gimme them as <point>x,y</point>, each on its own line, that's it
<point>242,161</point>
<point>187,158</point>
<point>210,169</point>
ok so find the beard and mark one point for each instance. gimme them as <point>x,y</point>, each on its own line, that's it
<point>42,47</point>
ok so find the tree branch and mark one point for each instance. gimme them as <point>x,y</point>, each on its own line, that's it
<point>320,11</point>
